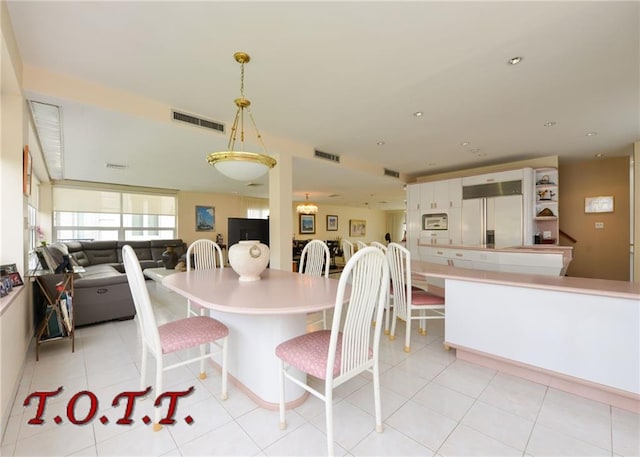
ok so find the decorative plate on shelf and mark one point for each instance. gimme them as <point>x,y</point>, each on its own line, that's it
<point>546,212</point>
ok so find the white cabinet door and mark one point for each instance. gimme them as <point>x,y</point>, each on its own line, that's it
<point>440,195</point>
<point>413,197</point>
<point>455,192</point>
<point>455,226</point>
<point>413,231</point>
<point>511,175</point>
<point>426,196</point>
<point>472,223</point>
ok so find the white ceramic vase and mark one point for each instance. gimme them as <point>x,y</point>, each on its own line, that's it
<point>249,259</point>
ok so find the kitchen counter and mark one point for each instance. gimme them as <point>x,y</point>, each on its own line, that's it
<point>580,335</point>
<point>589,286</point>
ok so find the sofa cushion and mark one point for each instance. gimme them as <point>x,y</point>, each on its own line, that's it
<point>99,276</point>
<point>100,251</point>
<point>77,253</point>
<point>141,248</point>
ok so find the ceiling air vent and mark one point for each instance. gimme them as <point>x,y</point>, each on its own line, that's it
<point>388,172</point>
<point>327,156</point>
<point>193,120</point>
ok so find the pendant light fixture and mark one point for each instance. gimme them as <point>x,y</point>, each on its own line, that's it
<point>241,165</point>
<point>307,207</point>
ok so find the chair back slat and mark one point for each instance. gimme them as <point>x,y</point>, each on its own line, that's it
<point>399,259</point>
<point>315,259</point>
<point>144,311</point>
<point>368,274</point>
<point>204,254</point>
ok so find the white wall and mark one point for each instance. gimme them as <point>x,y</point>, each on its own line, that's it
<point>15,315</point>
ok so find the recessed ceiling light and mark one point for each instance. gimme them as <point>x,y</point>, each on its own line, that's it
<point>550,124</point>
<point>592,133</point>
<point>464,143</point>
<point>418,114</point>
<point>380,143</point>
<point>514,60</point>
<point>600,154</point>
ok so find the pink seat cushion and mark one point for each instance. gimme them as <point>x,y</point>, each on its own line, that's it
<point>309,352</point>
<point>413,288</point>
<point>422,298</point>
<point>190,332</point>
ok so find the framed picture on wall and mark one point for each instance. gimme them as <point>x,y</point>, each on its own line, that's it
<point>332,223</point>
<point>357,227</point>
<point>307,224</point>
<point>205,218</point>
<point>27,170</point>
<point>598,204</point>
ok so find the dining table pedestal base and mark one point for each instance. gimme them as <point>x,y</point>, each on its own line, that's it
<point>252,363</point>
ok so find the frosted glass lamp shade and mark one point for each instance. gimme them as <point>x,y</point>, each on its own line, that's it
<point>241,166</point>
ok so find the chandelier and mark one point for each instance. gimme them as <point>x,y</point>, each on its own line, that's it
<point>307,207</point>
<point>241,165</point>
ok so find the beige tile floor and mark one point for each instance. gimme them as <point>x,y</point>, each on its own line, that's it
<point>432,404</point>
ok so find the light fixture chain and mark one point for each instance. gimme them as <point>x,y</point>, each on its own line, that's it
<point>234,131</point>
<point>258,135</point>
<point>242,80</point>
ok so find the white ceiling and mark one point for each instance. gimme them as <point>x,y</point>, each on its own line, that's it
<point>338,77</point>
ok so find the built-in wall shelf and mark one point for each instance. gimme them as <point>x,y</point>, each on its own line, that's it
<point>546,206</point>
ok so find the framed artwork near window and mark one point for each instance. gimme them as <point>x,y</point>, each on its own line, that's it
<point>307,224</point>
<point>357,227</point>
<point>205,218</point>
<point>332,223</point>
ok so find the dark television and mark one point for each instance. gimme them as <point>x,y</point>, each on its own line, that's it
<point>239,229</point>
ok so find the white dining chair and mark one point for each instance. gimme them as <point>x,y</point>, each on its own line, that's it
<point>377,244</point>
<point>361,244</point>
<point>315,260</point>
<point>410,303</point>
<point>347,250</point>
<point>383,248</point>
<point>202,254</point>
<point>174,336</point>
<point>345,351</point>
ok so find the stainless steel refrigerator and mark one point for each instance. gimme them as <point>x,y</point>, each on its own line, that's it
<point>493,215</point>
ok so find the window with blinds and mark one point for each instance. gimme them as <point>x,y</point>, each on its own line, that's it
<point>89,214</point>
<point>256,208</point>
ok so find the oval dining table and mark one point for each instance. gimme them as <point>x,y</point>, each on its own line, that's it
<point>260,315</point>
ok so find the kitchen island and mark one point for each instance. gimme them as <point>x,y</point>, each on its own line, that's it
<point>581,335</point>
